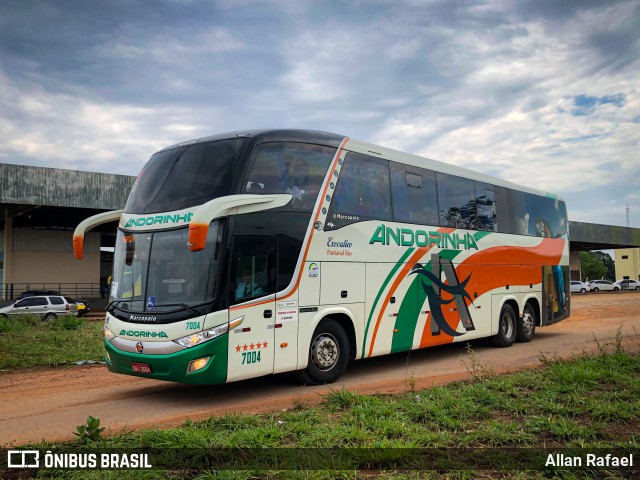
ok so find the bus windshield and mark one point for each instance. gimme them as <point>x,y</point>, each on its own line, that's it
<point>155,271</point>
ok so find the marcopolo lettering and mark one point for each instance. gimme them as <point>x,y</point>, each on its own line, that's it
<point>143,318</point>
<point>407,237</point>
<point>159,220</point>
<point>140,333</point>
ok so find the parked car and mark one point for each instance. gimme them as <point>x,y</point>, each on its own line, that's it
<point>579,287</point>
<point>604,285</point>
<point>628,284</point>
<point>33,293</point>
<point>49,307</point>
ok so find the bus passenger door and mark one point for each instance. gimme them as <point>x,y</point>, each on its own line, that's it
<point>252,291</point>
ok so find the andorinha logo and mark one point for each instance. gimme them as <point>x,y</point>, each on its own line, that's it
<point>159,220</point>
<point>407,237</point>
<point>140,333</point>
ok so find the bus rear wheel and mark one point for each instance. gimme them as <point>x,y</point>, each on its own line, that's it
<point>526,325</point>
<point>328,354</point>
<point>506,328</point>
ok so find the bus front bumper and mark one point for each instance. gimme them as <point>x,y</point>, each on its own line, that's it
<point>173,367</point>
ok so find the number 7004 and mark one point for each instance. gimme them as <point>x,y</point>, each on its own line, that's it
<point>250,357</point>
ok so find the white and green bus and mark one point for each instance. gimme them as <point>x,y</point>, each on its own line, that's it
<point>259,252</point>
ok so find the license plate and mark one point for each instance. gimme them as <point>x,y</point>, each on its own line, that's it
<point>141,367</point>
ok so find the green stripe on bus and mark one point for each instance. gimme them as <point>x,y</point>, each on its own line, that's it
<point>480,235</point>
<point>409,312</point>
<point>392,273</point>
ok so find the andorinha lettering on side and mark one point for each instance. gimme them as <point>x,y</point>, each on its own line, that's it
<point>408,237</point>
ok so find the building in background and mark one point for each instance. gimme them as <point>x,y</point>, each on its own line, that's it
<point>627,263</point>
<point>39,209</point>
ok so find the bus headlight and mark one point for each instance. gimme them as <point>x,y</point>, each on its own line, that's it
<point>108,334</point>
<point>201,337</point>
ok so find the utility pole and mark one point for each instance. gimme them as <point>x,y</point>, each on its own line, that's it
<point>627,214</point>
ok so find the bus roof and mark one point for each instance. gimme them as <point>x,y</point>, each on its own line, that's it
<point>334,140</point>
<point>264,136</point>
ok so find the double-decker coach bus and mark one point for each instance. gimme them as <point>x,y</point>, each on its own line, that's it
<point>259,252</point>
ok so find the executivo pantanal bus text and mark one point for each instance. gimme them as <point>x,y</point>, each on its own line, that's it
<point>259,252</point>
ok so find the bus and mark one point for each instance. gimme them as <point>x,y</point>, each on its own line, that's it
<point>259,252</point>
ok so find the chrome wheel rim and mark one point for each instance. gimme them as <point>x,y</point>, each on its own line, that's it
<point>528,322</point>
<point>325,351</point>
<point>507,325</point>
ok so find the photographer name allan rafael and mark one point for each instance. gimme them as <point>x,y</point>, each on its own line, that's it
<point>589,460</point>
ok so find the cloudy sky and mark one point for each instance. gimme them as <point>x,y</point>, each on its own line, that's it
<point>540,92</point>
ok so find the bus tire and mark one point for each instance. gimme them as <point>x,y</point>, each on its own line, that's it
<point>526,325</point>
<point>328,354</point>
<point>507,325</point>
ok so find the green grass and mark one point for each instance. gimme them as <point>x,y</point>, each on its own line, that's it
<point>27,341</point>
<point>588,402</point>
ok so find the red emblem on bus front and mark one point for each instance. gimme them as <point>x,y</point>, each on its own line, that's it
<point>139,347</point>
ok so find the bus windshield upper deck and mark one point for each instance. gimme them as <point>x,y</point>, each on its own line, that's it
<point>191,175</point>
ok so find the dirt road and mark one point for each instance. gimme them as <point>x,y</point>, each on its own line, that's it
<point>50,403</point>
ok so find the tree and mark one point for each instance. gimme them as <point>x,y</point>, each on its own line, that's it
<point>593,266</point>
<point>609,263</point>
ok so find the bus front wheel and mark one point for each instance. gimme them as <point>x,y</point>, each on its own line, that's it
<point>526,325</point>
<point>506,327</point>
<point>328,354</point>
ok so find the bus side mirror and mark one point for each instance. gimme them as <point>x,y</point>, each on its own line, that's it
<point>88,224</point>
<point>130,251</point>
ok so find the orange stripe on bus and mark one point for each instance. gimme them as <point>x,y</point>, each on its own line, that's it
<point>494,268</point>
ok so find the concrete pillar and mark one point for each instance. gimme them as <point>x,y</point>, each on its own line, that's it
<point>8,248</point>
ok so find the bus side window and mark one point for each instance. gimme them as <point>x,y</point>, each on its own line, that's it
<point>456,200</point>
<point>363,191</point>
<point>253,271</point>
<point>414,195</point>
<point>287,167</point>
<point>485,208</point>
<point>264,177</point>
